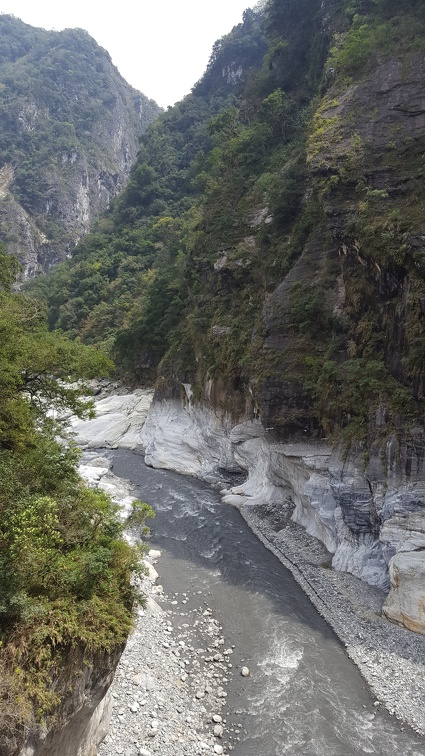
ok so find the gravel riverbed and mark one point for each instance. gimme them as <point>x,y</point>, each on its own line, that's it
<point>170,687</point>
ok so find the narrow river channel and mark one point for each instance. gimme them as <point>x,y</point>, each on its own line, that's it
<point>304,696</point>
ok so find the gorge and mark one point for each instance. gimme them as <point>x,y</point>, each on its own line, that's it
<point>330,497</point>
<point>263,267</point>
<point>205,546</point>
<point>259,283</point>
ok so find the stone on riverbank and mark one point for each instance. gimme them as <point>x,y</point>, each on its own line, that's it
<point>352,608</point>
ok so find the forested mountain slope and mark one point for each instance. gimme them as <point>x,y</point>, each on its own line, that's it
<point>69,128</point>
<point>271,231</point>
<point>265,264</point>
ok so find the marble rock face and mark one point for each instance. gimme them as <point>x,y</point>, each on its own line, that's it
<point>368,519</point>
<point>371,521</point>
<point>403,533</point>
<point>405,603</point>
<point>403,537</point>
<point>96,472</point>
<point>117,424</point>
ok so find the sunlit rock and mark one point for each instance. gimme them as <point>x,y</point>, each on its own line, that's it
<point>405,603</point>
<point>118,422</point>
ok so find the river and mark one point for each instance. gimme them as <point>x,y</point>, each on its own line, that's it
<point>304,696</point>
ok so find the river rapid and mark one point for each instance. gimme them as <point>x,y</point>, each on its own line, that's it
<point>304,696</point>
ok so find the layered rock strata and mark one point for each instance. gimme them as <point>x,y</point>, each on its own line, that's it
<point>372,523</point>
<point>198,441</point>
<point>118,422</point>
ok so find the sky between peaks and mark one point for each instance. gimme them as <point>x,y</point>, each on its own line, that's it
<point>162,48</point>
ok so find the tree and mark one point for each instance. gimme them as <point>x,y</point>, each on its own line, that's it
<point>66,572</point>
<point>38,370</point>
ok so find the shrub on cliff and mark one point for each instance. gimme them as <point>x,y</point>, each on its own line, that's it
<point>66,573</point>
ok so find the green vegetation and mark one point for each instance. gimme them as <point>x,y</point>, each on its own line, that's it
<point>269,241</point>
<point>268,249</point>
<point>373,38</point>
<point>61,100</point>
<point>65,570</point>
<point>348,395</point>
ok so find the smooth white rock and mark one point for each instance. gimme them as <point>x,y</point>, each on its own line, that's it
<point>405,603</point>
<point>118,422</point>
<point>331,497</point>
<point>151,571</point>
<point>362,517</point>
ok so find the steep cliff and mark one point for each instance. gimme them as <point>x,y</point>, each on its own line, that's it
<point>69,128</point>
<point>281,278</point>
<point>80,720</point>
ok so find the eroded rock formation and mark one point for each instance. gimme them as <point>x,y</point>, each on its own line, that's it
<point>81,720</point>
<point>371,521</point>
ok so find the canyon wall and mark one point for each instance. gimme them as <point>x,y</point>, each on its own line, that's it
<point>81,720</point>
<point>69,133</point>
<point>369,517</point>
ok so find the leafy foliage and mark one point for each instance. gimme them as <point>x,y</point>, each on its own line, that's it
<point>65,570</point>
<point>266,246</point>
<point>347,395</point>
<point>60,101</point>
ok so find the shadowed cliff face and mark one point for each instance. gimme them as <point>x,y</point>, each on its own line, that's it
<point>303,288</point>
<point>333,350</point>
<point>356,289</point>
<point>69,135</point>
<point>81,719</point>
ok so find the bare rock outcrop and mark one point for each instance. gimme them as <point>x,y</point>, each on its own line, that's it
<point>69,134</point>
<point>406,601</point>
<point>370,520</point>
<point>81,719</point>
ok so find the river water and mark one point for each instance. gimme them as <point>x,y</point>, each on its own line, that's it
<point>304,697</point>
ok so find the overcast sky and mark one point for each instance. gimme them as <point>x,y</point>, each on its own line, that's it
<point>161,47</point>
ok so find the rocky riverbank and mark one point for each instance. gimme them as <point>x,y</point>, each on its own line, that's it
<point>390,658</point>
<point>297,507</point>
<point>170,687</point>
